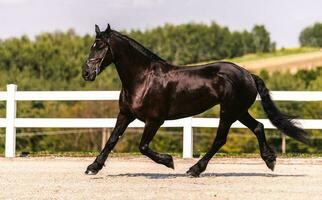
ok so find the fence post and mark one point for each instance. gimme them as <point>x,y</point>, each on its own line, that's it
<point>283,143</point>
<point>187,138</point>
<point>10,148</point>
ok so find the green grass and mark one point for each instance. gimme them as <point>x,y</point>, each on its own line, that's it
<point>178,155</point>
<point>277,53</point>
<point>256,155</point>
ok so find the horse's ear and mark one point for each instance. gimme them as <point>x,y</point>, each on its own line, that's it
<point>108,29</point>
<point>97,29</point>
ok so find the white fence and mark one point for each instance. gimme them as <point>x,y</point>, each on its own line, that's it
<point>11,96</point>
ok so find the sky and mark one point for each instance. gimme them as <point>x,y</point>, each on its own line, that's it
<point>284,19</point>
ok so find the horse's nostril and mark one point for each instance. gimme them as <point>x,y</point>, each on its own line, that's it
<point>86,74</point>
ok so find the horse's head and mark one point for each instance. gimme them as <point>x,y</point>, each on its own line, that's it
<point>100,56</point>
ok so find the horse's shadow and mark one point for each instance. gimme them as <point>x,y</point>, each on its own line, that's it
<point>228,174</point>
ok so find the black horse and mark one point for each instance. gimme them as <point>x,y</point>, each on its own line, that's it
<point>154,91</point>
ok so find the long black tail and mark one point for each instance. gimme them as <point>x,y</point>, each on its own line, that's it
<point>281,121</point>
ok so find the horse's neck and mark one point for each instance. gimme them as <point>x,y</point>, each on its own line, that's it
<point>131,65</point>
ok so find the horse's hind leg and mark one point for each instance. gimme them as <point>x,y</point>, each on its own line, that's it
<point>150,129</point>
<point>220,140</point>
<point>267,153</point>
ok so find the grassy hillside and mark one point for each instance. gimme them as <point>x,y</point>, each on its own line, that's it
<point>281,60</point>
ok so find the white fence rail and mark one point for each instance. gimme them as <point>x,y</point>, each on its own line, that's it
<point>11,96</point>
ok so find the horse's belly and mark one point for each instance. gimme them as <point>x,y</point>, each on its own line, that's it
<point>190,105</point>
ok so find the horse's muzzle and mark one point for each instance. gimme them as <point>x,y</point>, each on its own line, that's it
<point>88,76</point>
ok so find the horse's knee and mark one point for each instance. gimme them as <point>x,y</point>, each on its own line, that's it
<point>143,149</point>
<point>259,129</point>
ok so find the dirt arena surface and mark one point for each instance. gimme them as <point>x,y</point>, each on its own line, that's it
<point>140,178</point>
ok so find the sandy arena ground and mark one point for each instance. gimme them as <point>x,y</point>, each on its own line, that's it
<point>140,178</point>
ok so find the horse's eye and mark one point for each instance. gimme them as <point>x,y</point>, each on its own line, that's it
<point>101,46</point>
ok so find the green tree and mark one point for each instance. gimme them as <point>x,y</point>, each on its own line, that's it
<point>312,36</point>
<point>262,40</point>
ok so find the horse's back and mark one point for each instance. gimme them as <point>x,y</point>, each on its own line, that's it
<point>218,73</point>
<point>198,88</point>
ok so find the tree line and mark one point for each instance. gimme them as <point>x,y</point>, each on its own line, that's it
<point>192,43</point>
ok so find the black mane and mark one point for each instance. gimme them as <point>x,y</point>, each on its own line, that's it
<point>138,46</point>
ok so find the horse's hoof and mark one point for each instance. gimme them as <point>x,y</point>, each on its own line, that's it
<point>93,168</point>
<point>168,161</point>
<point>271,165</point>
<point>170,164</point>
<point>90,172</point>
<point>192,174</point>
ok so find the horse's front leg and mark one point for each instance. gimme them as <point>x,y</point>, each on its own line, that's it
<point>123,120</point>
<point>150,129</point>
